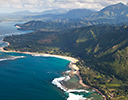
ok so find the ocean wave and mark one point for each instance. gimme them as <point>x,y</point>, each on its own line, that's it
<point>76,97</point>
<point>59,81</point>
<point>37,55</point>
<point>67,78</point>
<point>56,56</point>
<point>80,90</point>
<point>42,55</point>
<point>12,58</point>
<point>45,55</point>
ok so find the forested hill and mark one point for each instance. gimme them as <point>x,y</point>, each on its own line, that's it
<point>103,49</point>
<point>50,26</point>
<point>54,26</point>
<point>113,14</point>
<point>110,14</point>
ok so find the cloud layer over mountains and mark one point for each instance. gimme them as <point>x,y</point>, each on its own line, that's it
<point>41,5</point>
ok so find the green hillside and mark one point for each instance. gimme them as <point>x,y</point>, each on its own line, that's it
<point>102,51</point>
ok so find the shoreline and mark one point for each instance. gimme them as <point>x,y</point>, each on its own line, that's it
<point>73,67</point>
<point>73,60</point>
<point>18,26</point>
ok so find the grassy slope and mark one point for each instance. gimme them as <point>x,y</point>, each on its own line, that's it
<point>103,49</point>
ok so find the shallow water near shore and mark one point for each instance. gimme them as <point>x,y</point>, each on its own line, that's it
<point>30,78</point>
<point>27,77</point>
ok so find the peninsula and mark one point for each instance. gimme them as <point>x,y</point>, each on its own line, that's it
<point>101,50</point>
<point>72,66</point>
<point>96,43</point>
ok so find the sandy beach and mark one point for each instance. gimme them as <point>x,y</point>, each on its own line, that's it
<point>73,60</point>
<point>73,67</point>
<point>18,26</point>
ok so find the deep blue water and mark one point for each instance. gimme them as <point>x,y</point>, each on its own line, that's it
<point>28,78</point>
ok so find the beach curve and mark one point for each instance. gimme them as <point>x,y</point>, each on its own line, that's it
<point>73,67</point>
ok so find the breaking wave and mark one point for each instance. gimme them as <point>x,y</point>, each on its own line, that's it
<point>58,82</point>
<point>12,58</point>
<point>75,97</point>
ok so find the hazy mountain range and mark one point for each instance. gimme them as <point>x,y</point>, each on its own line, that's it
<point>104,49</point>
<point>101,46</point>
<point>112,11</point>
<point>112,14</point>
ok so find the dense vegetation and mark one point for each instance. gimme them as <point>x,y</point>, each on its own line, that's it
<point>46,26</point>
<point>102,51</point>
<point>112,14</point>
<point>69,23</point>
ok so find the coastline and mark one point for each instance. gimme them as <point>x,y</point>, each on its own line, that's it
<point>73,60</point>
<point>73,67</point>
<point>18,26</point>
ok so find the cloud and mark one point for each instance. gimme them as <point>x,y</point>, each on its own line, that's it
<point>40,5</point>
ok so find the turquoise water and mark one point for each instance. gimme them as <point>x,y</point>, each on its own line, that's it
<point>29,77</point>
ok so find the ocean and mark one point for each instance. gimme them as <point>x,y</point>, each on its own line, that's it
<point>28,77</point>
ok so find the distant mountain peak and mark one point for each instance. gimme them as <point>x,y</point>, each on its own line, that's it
<point>112,11</point>
<point>116,6</point>
<point>120,3</point>
<point>77,13</point>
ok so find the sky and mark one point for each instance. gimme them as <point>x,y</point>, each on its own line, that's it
<point>42,5</point>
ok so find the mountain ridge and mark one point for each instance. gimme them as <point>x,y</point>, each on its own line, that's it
<point>109,12</point>
<point>101,50</point>
<point>112,11</point>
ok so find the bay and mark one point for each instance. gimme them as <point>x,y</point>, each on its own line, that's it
<point>30,77</point>
<point>7,29</point>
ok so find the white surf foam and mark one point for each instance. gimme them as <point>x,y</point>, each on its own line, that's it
<point>57,81</point>
<point>43,55</point>
<point>72,96</point>
<point>56,56</point>
<point>67,78</point>
<point>12,58</point>
<point>75,97</point>
<point>36,55</point>
<point>80,90</point>
<point>68,71</point>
